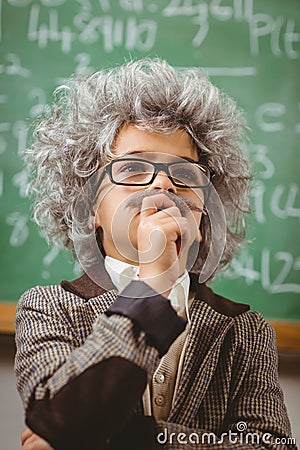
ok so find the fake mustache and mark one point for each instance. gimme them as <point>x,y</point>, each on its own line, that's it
<point>183,204</point>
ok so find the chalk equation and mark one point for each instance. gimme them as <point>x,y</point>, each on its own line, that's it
<point>277,272</point>
<point>136,24</point>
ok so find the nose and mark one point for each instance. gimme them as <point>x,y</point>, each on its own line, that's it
<point>162,181</point>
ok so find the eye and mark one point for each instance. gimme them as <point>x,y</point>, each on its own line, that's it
<point>132,167</point>
<point>131,171</point>
<point>188,174</point>
<point>185,175</point>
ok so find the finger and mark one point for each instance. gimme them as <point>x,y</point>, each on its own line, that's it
<point>174,229</point>
<point>152,204</point>
<point>184,230</point>
<point>180,234</point>
<point>165,215</point>
<point>35,442</point>
<point>26,434</point>
<point>30,443</point>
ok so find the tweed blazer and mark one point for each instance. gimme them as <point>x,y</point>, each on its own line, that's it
<point>85,355</point>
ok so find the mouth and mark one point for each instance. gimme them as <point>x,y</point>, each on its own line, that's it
<point>178,245</point>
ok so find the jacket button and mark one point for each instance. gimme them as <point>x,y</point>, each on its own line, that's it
<point>159,400</point>
<point>160,378</point>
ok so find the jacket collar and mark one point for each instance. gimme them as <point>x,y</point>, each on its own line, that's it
<point>86,288</point>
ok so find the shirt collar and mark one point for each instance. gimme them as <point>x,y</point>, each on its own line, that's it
<point>86,288</point>
<point>122,273</point>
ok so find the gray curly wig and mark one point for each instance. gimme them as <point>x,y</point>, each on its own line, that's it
<point>75,137</point>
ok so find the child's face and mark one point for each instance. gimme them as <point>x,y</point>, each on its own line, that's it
<point>119,225</point>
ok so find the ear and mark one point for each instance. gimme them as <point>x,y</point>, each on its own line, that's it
<point>97,222</point>
<point>94,219</point>
<point>200,237</point>
<point>99,241</point>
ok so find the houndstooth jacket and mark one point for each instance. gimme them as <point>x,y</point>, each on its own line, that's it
<point>85,355</point>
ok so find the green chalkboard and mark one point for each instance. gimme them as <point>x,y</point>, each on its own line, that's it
<point>249,48</point>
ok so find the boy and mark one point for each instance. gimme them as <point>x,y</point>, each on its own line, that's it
<point>139,172</point>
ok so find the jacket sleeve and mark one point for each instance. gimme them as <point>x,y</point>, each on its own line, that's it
<point>77,396</point>
<point>256,418</point>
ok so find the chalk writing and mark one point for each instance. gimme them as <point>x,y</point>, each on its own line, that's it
<point>257,195</point>
<point>86,4</point>
<point>20,230</point>
<point>132,5</point>
<point>52,3</point>
<point>238,10</point>
<point>48,259</point>
<point>266,112</point>
<point>4,127</point>
<point>272,117</point>
<point>20,132</point>
<point>283,38</point>
<point>201,12</point>
<point>231,71</point>
<point>273,282</point>
<point>185,8</point>
<point>83,64</point>
<point>243,266</point>
<point>19,3</point>
<point>22,3</point>
<point>105,6</point>
<point>13,66</point>
<point>280,283</point>
<point>264,166</point>
<point>39,96</point>
<point>20,180</point>
<point>203,30</point>
<point>131,33</point>
<point>283,201</point>
<point>51,255</point>
<point>44,33</point>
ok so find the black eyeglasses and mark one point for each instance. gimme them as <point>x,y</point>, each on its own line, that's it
<point>141,172</point>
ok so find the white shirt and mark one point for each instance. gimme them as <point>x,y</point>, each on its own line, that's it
<point>122,274</point>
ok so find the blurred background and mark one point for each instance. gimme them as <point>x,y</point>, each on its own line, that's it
<point>251,50</point>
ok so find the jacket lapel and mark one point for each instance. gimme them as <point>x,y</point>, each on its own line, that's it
<point>211,318</point>
<point>207,333</point>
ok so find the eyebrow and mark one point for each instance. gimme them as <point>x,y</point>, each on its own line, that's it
<point>134,152</point>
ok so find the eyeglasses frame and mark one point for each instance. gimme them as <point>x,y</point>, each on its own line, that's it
<point>158,167</point>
